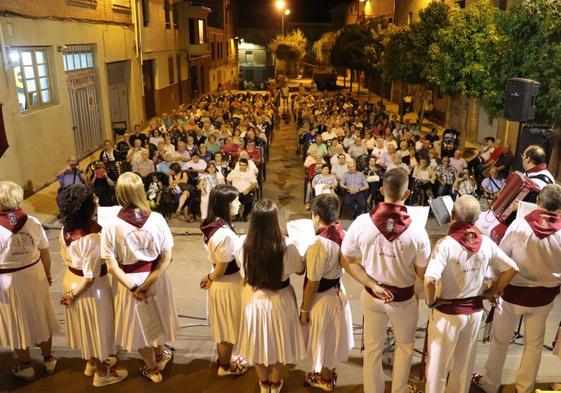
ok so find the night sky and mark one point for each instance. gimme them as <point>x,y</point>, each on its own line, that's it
<point>262,13</point>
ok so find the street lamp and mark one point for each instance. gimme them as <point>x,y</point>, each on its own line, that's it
<point>281,6</point>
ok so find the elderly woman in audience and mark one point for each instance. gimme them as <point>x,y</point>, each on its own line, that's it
<point>424,177</point>
<point>143,166</point>
<point>373,175</point>
<point>165,165</point>
<point>212,144</point>
<point>156,137</point>
<point>358,148</point>
<point>210,179</point>
<point>168,146</point>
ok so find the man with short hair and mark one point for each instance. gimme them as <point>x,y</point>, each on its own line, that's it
<point>385,254</point>
<point>339,149</point>
<point>355,184</point>
<point>445,177</point>
<point>493,184</point>
<point>340,167</point>
<point>386,159</point>
<point>138,134</point>
<point>458,264</point>
<point>135,152</point>
<point>357,148</point>
<point>143,166</point>
<point>245,182</point>
<point>458,161</point>
<point>534,161</point>
<point>533,242</point>
<point>195,164</point>
<point>318,147</point>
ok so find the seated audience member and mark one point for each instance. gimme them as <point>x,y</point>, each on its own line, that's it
<point>314,168</point>
<point>313,159</point>
<point>326,180</point>
<point>424,177</point>
<point>423,152</point>
<point>493,183</point>
<point>143,166</point>
<point>445,177</point>
<point>198,137</point>
<point>168,146</point>
<point>318,147</point>
<point>137,135</point>
<point>204,154</point>
<point>245,182</point>
<point>505,161</point>
<point>404,152</point>
<point>349,139</point>
<point>434,161</point>
<point>182,155</point>
<point>253,152</point>
<point>251,165</point>
<point>337,151</point>
<point>135,151</point>
<point>369,143</point>
<point>230,147</point>
<point>195,164</point>
<point>373,175</point>
<point>221,166</point>
<point>108,152</point>
<point>103,185</point>
<point>354,183</point>
<point>179,184</point>
<point>156,137</point>
<point>213,145</point>
<point>190,146</point>
<point>484,153</point>
<point>433,136</point>
<point>332,133</point>
<point>413,161</point>
<point>159,153</point>
<point>465,184</point>
<point>165,165</point>
<point>340,167</point>
<point>386,159</point>
<point>206,183</point>
<point>379,149</point>
<point>397,163</point>
<point>496,154</point>
<point>458,161</point>
<point>357,148</point>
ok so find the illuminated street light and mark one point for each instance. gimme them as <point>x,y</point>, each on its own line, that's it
<point>287,12</point>
<point>280,4</point>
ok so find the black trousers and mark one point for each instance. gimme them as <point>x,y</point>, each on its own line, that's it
<point>247,203</point>
<point>355,204</point>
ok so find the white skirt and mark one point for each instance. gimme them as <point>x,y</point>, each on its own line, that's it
<point>204,205</point>
<point>128,331</point>
<point>270,332</point>
<point>90,320</point>
<point>27,314</point>
<point>330,330</point>
<point>224,308</point>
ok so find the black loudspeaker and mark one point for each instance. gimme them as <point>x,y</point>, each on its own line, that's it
<point>540,136</point>
<point>520,102</point>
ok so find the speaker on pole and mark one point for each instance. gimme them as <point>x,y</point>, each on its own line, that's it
<point>541,136</point>
<point>520,101</point>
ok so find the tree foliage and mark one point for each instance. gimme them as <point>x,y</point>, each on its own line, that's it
<point>322,47</point>
<point>291,47</point>
<point>349,48</point>
<point>398,62</point>
<point>532,50</point>
<point>466,51</point>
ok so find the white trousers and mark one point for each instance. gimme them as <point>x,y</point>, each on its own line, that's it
<point>403,318</point>
<point>451,348</point>
<point>505,321</point>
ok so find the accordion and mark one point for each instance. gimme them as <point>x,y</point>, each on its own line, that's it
<point>516,188</point>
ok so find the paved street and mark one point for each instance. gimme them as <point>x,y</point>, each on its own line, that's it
<point>191,370</point>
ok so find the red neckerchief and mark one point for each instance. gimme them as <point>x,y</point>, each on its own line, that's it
<point>133,216</point>
<point>537,168</point>
<point>209,229</point>
<point>544,223</point>
<point>467,235</point>
<point>391,220</point>
<point>333,232</point>
<point>13,220</point>
<point>91,227</point>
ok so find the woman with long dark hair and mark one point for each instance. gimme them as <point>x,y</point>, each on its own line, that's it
<point>224,283</point>
<point>87,295</point>
<point>270,333</point>
<point>137,247</point>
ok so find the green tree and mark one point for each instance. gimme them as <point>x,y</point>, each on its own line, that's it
<point>465,54</point>
<point>532,49</point>
<point>289,48</point>
<point>322,47</point>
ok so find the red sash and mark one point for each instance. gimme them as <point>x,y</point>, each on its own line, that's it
<point>391,220</point>
<point>537,168</point>
<point>529,296</point>
<point>465,306</point>
<point>91,227</point>
<point>333,232</point>
<point>544,223</point>
<point>399,294</point>
<point>140,266</point>
<point>17,269</point>
<point>133,216</point>
<point>13,220</point>
<point>467,235</point>
<point>209,229</point>
<point>80,273</point>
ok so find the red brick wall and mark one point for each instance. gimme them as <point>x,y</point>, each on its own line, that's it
<point>100,10</point>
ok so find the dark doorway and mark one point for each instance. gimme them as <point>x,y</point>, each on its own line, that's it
<point>179,83</point>
<point>194,76</point>
<point>148,79</point>
<point>3,137</point>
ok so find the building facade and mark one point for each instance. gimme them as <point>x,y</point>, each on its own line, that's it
<point>69,76</point>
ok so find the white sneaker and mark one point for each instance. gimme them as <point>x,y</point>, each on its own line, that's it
<point>50,364</point>
<point>113,376</point>
<point>27,374</point>
<point>164,359</point>
<point>238,366</point>
<point>264,387</point>
<point>154,377</point>
<point>89,371</point>
<point>277,388</point>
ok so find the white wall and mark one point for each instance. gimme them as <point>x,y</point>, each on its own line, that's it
<point>40,140</point>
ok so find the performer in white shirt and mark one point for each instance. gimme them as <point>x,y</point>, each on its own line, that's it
<point>137,247</point>
<point>459,263</point>
<point>90,319</point>
<point>535,166</point>
<point>270,334</point>
<point>27,315</point>
<point>325,309</point>
<point>383,252</point>
<point>224,282</point>
<point>534,242</point>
